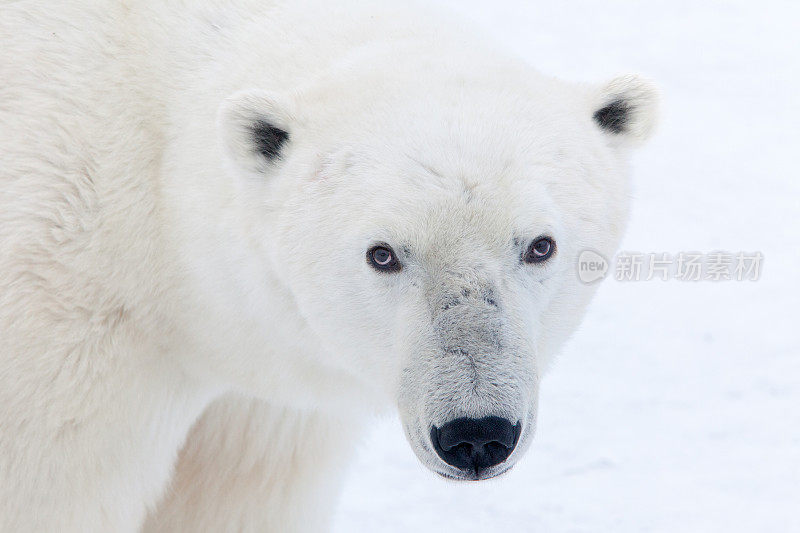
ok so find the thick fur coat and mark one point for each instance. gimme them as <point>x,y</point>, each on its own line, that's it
<point>192,328</point>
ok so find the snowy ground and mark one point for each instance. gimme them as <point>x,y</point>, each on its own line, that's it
<point>676,407</point>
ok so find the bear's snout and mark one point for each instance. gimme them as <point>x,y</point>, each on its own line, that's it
<point>474,445</point>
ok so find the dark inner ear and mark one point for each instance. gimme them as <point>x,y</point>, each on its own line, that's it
<point>614,116</point>
<point>268,139</point>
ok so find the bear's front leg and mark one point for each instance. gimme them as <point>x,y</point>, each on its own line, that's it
<point>249,466</point>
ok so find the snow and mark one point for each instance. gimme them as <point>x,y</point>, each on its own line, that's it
<point>676,406</point>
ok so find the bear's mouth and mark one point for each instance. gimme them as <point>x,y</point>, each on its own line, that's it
<point>473,476</point>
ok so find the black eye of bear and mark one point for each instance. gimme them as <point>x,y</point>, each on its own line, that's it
<point>382,257</point>
<point>540,250</point>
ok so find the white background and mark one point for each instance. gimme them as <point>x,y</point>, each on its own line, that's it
<point>676,406</point>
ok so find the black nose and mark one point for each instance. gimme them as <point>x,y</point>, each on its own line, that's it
<point>475,444</point>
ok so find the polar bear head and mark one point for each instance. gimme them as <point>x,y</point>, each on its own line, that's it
<point>427,219</point>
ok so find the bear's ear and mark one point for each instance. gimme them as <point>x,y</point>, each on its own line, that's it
<point>627,109</point>
<point>255,130</point>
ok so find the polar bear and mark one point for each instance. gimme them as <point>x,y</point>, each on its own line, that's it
<point>232,231</point>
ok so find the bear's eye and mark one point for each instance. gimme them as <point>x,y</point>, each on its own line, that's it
<point>540,250</point>
<point>382,257</point>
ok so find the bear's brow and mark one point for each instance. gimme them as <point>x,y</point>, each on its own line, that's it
<point>428,168</point>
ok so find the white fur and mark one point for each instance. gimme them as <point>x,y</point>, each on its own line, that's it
<point>158,280</point>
